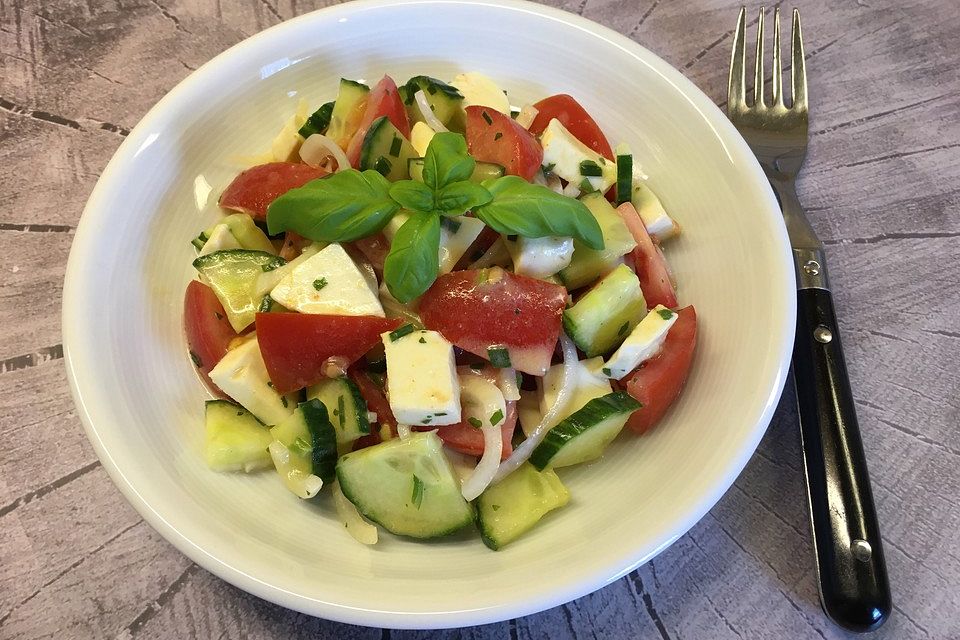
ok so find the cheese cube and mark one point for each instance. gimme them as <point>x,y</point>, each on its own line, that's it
<point>242,375</point>
<point>642,344</point>
<point>478,89</point>
<point>420,137</point>
<point>540,257</point>
<point>564,153</point>
<point>456,236</point>
<point>654,216</point>
<point>422,382</point>
<point>328,282</point>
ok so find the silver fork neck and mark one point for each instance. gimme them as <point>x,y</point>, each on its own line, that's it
<point>808,255</point>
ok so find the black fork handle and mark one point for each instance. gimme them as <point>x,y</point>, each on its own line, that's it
<point>854,589</point>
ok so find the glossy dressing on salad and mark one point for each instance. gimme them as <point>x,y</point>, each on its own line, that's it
<point>424,302</point>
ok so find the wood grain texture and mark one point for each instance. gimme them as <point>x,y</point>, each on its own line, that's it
<point>881,186</point>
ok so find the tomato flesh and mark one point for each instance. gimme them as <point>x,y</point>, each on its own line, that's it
<point>295,346</point>
<point>495,137</point>
<point>483,308</point>
<point>657,382</point>
<point>208,331</point>
<point>574,118</point>
<point>648,262</point>
<point>254,189</point>
<point>383,100</point>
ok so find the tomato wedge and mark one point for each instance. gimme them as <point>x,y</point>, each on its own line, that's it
<point>253,190</point>
<point>495,137</point>
<point>467,439</point>
<point>384,100</point>
<point>483,308</point>
<point>208,331</point>
<point>574,118</point>
<point>295,346</point>
<point>648,262</point>
<point>657,382</point>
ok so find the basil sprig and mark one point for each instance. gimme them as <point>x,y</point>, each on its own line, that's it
<point>352,204</point>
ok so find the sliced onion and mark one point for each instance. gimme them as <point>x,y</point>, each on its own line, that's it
<point>486,469</point>
<point>549,420</point>
<point>507,381</point>
<point>428,115</point>
<point>318,148</point>
<point>361,530</point>
<point>553,182</point>
<point>403,431</point>
<point>528,113</point>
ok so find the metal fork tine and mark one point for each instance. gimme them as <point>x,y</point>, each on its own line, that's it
<point>758,76</point>
<point>777,68</point>
<point>737,84</point>
<point>799,66</point>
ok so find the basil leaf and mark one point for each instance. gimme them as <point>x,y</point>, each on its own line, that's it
<point>413,262</point>
<point>459,197</point>
<point>412,195</point>
<point>344,206</point>
<point>447,160</point>
<point>533,211</point>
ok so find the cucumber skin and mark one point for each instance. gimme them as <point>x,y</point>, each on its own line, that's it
<point>370,151</point>
<point>579,423</point>
<point>223,412</point>
<point>346,386</point>
<point>324,439</point>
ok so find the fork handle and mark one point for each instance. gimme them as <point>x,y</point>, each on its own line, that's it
<point>854,589</point>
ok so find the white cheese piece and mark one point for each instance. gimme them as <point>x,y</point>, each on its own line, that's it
<point>422,382</point>
<point>391,228</point>
<point>564,153</point>
<point>221,239</point>
<point>420,137</point>
<point>478,89</point>
<point>588,383</point>
<point>269,279</point>
<point>540,257</point>
<point>642,344</point>
<point>242,375</point>
<point>651,211</point>
<point>456,236</point>
<point>328,282</point>
<point>528,113</point>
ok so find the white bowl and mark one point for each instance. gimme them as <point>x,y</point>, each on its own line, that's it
<point>142,404</point>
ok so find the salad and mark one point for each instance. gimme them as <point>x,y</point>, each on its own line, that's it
<point>429,302</point>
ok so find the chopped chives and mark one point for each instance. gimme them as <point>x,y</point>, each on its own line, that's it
<point>499,357</point>
<point>395,147</point>
<point>623,328</point>
<point>590,168</point>
<point>606,371</point>
<point>382,166</point>
<point>486,116</point>
<point>548,168</point>
<point>666,314</point>
<point>474,422</point>
<point>417,496</point>
<point>496,417</point>
<point>422,340</point>
<point>396,334</point>
<point>498,135</point>
<point>320,283</point>
<point>265,304</point>
<point>624,178</point>
<point>341,408</point>
<point>586,186</point>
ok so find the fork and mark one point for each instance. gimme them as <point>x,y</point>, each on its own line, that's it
<point>851,575</point>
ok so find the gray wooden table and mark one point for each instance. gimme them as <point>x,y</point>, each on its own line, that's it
<point>881,185</point>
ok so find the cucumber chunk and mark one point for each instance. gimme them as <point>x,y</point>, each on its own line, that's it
<point>406,486</point>
<point>233,277</point>
<point>318,121</point>
<point>345,407</point>
<point>235,439</point>
<point>589,264</point>
<point>386,151</point>
<point>347,111</point>
<point>606,314</point>
<point>311,449</point>
<point>584,435</point>
<point>445,100</point>
<point>482,171</point>
<point>514,505</point>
